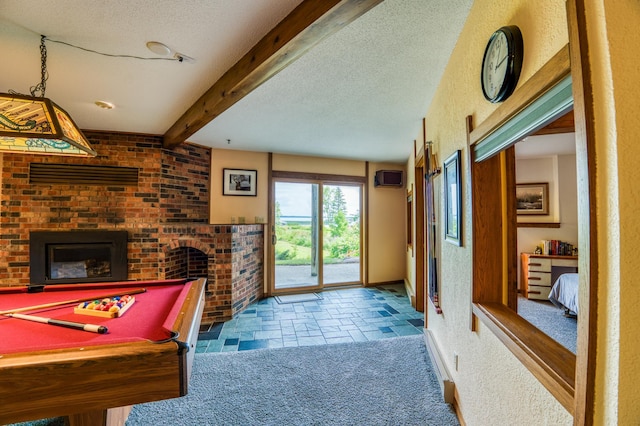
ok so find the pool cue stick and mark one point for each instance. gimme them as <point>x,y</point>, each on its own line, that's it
<point>100,329</point>
<point>68,302</point>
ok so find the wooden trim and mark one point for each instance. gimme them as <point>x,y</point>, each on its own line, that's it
<point>555,369</point>
<point>270,231</point>
<point>320,180</point>
<point>469,192</point>
<point>584,117</point>
<point>365,244</point>
<point>420,154</point>
<point>307,25</point>
<point>410,293</point>
<point>551,363</point>
<point>409,217</point>
<point>440,369</point>
<point>549,75</point>
<point>420,242</point>
<point>487,241</point>
<point>512,231</point>
<point>327,178</point>
<point>379,283</point>
<point>538,224</point>
<point>457,406</point>
<point>564,124</point>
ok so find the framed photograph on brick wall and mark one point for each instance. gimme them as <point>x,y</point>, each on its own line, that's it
<point>239,182</point>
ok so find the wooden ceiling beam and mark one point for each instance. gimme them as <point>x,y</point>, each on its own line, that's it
<point>308,24</point>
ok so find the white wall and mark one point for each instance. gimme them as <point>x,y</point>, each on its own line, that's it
<point>560,172</point>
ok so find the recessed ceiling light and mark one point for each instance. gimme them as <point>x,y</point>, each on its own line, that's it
<point>105,105</point>
<point>158,48</point>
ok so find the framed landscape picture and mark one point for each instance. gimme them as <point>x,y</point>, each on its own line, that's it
<point>239,182</point>
<point>452,199</point>
<point>532,198</point>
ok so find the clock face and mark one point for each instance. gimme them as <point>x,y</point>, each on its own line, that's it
<point>501,64</point>
<point>495,65</point>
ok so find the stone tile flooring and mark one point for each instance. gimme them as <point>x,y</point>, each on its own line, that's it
<point>341,315</point>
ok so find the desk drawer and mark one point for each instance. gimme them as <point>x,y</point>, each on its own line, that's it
<point>539,278</point>
<point>538,292</point>
<point>565,262</point>
<point>539,264</point>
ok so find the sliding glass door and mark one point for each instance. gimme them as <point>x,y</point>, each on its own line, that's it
<point>341,234</point>
<point>317,235</point>
<point>296,235</point>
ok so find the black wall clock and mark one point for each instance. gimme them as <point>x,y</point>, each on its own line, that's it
<point>502,63</point>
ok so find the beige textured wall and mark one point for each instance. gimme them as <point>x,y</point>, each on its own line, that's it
<point>224,208</point>
<point>613,30</point>
<point>493,386</point>
<point>386,205</point>
<point>333,166</point>
<point>387,236</point>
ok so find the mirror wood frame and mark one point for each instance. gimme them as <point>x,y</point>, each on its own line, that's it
<point>570,378</point>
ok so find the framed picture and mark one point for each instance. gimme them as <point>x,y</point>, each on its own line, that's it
<point>532,198</point>
<point>453,199</point>
<point>239,182</point>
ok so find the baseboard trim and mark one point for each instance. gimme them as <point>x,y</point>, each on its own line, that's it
<point>379,283</point>
<point>456,406</point>
<point>409,289</point>
<point>444,378</point>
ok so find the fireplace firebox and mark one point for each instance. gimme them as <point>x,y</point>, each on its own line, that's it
<point>58,257</point>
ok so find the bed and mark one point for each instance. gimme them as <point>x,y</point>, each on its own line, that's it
<point>564,293</point>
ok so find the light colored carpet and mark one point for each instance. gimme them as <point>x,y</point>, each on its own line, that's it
<point>296,298</point>
<point>383,382</point>
<point>550,320</point>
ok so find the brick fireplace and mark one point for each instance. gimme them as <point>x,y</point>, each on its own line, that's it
<point>164,207</point>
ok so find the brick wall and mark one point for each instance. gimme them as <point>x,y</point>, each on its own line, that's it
<point>248,272</point>
<point>167,210</point>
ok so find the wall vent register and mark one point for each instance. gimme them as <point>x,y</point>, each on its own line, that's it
<point>388,178</point>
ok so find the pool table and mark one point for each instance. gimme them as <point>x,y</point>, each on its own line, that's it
<point>146,354</point>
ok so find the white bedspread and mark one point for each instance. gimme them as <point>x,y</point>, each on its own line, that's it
<point>564,293</point>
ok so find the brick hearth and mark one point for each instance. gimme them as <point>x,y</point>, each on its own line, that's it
<point>166,215</point>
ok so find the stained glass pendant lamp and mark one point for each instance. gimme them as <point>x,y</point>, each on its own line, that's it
<point>36,125</point>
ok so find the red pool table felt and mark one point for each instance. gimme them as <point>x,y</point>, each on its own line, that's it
<point>149,318</point>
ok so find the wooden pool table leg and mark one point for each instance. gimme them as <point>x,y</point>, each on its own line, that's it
<point>111,417</point>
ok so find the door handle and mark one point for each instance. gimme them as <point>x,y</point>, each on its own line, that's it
<point>274,239</point>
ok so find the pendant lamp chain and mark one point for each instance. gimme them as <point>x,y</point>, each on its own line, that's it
<point>35,124</point>
<point>42,86</point>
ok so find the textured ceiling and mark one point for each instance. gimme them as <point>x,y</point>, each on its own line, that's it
<point>359,94</point>
<point>547,145</point>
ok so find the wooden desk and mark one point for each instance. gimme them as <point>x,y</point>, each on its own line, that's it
<point>538,272</point>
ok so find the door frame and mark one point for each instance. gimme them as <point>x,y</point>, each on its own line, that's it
<point>321,179</point>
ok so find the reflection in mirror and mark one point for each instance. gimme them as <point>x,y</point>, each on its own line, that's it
<point>547,278</point>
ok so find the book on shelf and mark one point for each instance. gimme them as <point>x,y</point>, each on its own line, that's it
<point>558,248</point>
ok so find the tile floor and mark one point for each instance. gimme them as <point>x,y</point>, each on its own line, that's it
<point>339,316</point>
